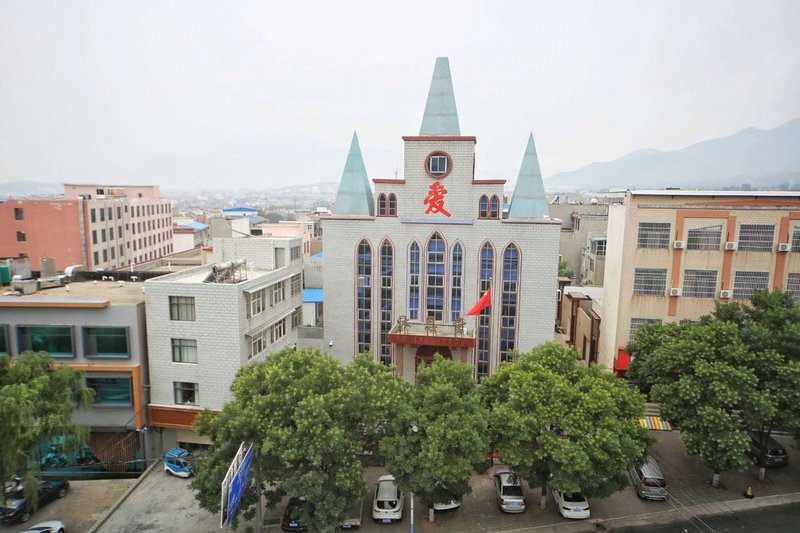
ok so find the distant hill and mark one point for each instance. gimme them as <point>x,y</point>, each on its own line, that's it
<point>761,158</point>
<point>29,189</point>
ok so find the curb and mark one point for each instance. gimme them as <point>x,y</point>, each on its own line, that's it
<point>122,498</point>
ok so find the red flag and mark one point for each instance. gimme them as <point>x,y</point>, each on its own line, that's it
<point>483,303</point>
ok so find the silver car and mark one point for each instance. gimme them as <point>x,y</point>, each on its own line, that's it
<point>510,496</point>
<point>648,481</point>
<point>387,506</point>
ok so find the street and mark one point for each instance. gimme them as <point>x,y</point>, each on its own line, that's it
<point>780,519</point>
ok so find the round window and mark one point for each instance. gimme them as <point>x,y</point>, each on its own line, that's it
<point>438,165</point>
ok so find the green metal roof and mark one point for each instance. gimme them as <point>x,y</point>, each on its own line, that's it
<point>441,116</point>
<point>354,196</point>
<point>529,200</point>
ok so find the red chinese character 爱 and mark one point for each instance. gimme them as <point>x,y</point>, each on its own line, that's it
<point>435,199</point>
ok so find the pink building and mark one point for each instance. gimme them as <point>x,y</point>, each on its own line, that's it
<point>303,229</point>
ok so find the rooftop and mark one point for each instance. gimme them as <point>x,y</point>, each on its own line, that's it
<point>80,294</point>
<point>201,274</point>
<point>740,194</point>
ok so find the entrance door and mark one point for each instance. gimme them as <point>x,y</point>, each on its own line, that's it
<point>425,354</point>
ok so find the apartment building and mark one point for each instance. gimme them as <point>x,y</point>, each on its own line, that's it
<point>671,254</point>
<point>205,323</point>
<point>99,328</point>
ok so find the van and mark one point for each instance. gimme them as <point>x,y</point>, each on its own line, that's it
<point>648,481</point>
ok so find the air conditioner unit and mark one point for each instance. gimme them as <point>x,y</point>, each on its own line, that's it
<point>726,295</point>
<point>679,245</point>
<point>785,247</point>
<point>731,245</point>
<point>675,291</point>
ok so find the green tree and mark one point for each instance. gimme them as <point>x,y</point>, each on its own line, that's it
<point>564,270</point>
<point>37,400</point>
<point>571,427</point>
<point>438,434</point>
<point>309,420</point>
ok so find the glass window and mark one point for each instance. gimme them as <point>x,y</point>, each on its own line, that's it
<point>186,393</point>
<point>484,319</point>
<point>650,281</point>
<point>103,235</point>
<point>102,214</point>
<point>756,237</point>
<point>258,342</point>
<point>20,236</point>
<point>387,264</point>
<point>746,283</point>
<point>637,323</point>
<point>184,350</point>
<point>792,285</point>
<point>106,342</point>
<point>255,302</point>
<point>413,281</point>
<point>598,246</point>
<point>494,207</point>
<point>96,257</point>
<point>796,239</point>
<point>437,164</point>
<point>508,304</point>
<point>92,215</point>
<point>392,205</point>
<point>297,317</point>
<point>5,349</point>
<point>296,284</point>
<point>456,275</point>
<point>364,297</point>
<point>483,207</point>
<point>294,252</point>
<point>18,214</point>
<point>276,293</point>
<point>278,331</point>
<point>111,391</point>
<point>382,205</point>
<point>653,235</point>
<point>181,308</point>
<point>434,301</point>
<point>707,238</point>
<point>55,340</point>
<point>110,234</point>
<point>94,236</point>
<point>110,213</point>
<point>700,283</point>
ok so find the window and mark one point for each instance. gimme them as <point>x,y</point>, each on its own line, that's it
<point>294,252</point>
<point>20,236</point>
<point>297,317</point>
<point>364,297</point>
<point>598,247</point>
<point>55,340</point>
<point>106,342</point>
<point>184,350</point>
<point>382,205</point>
<point>413,281</point>
<point>94,236</point>
<point>485,273</point>
<point>181,308</point>
<point>494,207</point>
<point>438,164</point>
<point>653,235</point>
<point>296,284</point>
<point>186,393</point>
<point>392,205</point>
<point>110,213</point>
<point>483,207</point>
<point>637,323</point>
<point>111,391</point>
<point>707,238</point>
<point>18,214</point>
<point>276,293</point>
<point>96,257</point>
<point>387,264</point>
<point>92,216</point>
<point>796,239</point>
<point>278,331</point>
<point>102,235</point>
<point>119,212</point>
<point>105,256</point>
<point>745,283</point>
<point>258,342</point>
<point>456,279</point>
<point>255,302</point>
<point>113,253</point>
<point>650,281</point>
<point>792,285</point>
<point>700,283</point>
<point>102,214</point>
<point>756,237</point>
<point>5,349</point>
<point>434,301</point>
<point>508,303</point>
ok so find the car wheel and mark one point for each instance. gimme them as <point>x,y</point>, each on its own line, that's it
<point>168,472</point>
<point>755,460</point>
<point>25,517</point>
<point>62,492</point>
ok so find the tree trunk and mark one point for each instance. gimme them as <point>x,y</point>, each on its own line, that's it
<point>431,514</point>
<point>715,480</point>
<point>762,473</point>
<point>543,497</point>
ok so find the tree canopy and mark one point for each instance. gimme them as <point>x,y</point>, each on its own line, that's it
<point>309,420</point>
<point>572,427</point>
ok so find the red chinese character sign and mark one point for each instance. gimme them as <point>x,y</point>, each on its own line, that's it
<point>435,199</point>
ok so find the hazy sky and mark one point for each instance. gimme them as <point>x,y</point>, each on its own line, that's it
<point>268,93</point>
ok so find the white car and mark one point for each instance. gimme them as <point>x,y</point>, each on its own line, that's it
<point>51,526</point>
<point>387,506</point>
<point>572,505</point>
<point>446,506</point>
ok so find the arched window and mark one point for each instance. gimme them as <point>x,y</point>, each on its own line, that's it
<point>434,297</point>
<point>483,207</point>
<point>457,272</point>
<point>364,296</point>
<point>413,281</point>
<point>392,205</point>
<point>494,207</point>
<point>381,205</point>
<point>484,322</point>
<point>387,264</point>
<point>508,305</point>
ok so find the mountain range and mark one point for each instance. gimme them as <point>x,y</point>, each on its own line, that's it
<point>760,159</point>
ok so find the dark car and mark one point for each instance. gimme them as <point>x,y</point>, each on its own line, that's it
<point>297,515</point>
<point>16,508</point>
<point>774,454</point>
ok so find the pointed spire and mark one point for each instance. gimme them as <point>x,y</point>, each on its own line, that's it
<point>529,200</point>
<point>354,196</point>
<point>441,116</point>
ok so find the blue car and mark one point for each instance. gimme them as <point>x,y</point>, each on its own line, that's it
<point>177,462</point>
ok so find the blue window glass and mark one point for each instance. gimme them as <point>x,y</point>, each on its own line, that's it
<point>413,281</point>
<point>494,207</point>
<point>456,291</point>
<point>387,257</point>
<point>483,207</point>
<point>111,391</point>
<point>434,301</point>
<point>508,305</point>
<point>55,340</point>
<point>364,297</point>
<point>484,319</point>
<point>106,342</point>
<point>381,205</point>
<point>4,348</point>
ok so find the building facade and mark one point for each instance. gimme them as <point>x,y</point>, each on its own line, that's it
<point>672,254</point>
<point>404,264</point>
<point>206,322</point>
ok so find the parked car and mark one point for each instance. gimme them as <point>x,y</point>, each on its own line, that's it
<point>572,505</point>
<point>447,506</point>
<point>648,481</point>
<point>178,462</point>
<point>51,526</point>
<point>775,454</point>
<point>297,515</point>
<point>17,509</point>
<point>387,506</point>
<point>510,496</point>
<point>354,514</point>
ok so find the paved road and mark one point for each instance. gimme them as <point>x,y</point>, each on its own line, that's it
<point>782,519</point>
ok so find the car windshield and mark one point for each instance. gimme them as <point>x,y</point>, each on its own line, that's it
<point>296,510</point>
<point>651,482</point>
<point>512,490</point>
<point>574,497</point>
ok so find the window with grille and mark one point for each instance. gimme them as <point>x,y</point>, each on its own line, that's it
<point>296,284</point>
<point>598,246</point>
<point>364,297</point>
<point>637,323</point>
<point>456,281</point>
<point>434,302</point>
<point>180,307</point>
<point>756,237</point>
<point>508,303</point>
<point>650,281</point>
<point>653,235</point>
<point>483,207</point>
<point>745,283</point>
<point>707,238</point>
<point>494,207</point>
<point>413,281</point>
<point>484,318</point>
<point>796,239</point>
<point>392,205</point>
<point>184,350</point>
<point>793,285</point>
<point>294,253</point>
<point>387,263</point>
<point>700,283</point>
<point>381,205</point>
